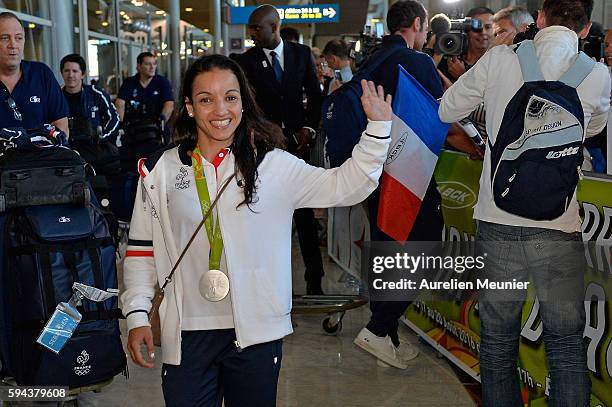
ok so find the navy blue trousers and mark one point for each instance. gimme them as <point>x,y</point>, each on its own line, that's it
<point>212,370</point>
<point>428,227</point>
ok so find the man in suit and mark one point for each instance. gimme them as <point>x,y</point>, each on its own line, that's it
<point>280,72</point>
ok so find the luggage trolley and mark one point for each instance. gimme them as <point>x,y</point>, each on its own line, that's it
<point>335,306</point>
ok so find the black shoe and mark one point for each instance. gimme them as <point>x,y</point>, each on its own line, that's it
<point>314,288</point>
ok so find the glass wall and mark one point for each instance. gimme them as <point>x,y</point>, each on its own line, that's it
<point>101,16</point>
<point>129,52</point>
<point>102,45</point>
<point>111,32</point>
<point>163,63</point>
<point>134,25</point>
<point>36,8</point>
<point>36,36</point>
<point>102,55</point>
<point>143,27</point>
<point>159,32</point>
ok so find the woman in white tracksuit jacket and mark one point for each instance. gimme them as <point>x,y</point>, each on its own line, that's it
<point>229,347</point>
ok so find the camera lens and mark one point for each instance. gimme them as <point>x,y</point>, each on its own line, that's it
<point>449,43</point>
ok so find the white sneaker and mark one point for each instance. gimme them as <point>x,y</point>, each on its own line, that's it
<point>406,352</point>
<point>381,347</point>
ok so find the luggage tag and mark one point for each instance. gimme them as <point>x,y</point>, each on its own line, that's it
<point>60,326</point>
<point>64,321</point>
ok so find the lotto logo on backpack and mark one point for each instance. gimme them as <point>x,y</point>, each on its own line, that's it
<point>562,153</point>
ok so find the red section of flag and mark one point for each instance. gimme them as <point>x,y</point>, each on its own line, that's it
<point>398,208</point>
<point>139,253</point>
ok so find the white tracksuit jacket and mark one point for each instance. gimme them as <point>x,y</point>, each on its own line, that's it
<point>257,243</point>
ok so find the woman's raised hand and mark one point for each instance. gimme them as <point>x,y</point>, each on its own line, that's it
<point>375,106</point>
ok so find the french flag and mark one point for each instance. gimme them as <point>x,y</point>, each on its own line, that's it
<point>417,138</point>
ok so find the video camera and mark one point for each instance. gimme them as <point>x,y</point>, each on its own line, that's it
<point>370,40</point>
<point>455,41</point>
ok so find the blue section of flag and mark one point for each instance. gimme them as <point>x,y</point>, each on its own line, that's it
<point>419,110</point>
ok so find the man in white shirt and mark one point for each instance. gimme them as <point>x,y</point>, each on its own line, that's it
<point>522,243</point>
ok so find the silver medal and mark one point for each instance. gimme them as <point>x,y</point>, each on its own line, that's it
<point>214,285</point>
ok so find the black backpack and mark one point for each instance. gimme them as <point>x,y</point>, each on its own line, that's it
<point>143,131</point>
<point>142,137</point>
<point>46,244</point>
<point>536,158</point>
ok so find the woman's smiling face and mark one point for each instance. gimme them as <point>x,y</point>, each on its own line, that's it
<point>216,104</point>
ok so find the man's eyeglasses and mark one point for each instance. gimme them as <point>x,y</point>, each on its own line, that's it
<point>13,105</point>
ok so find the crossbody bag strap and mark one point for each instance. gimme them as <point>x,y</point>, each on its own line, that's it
<point>193,236</point>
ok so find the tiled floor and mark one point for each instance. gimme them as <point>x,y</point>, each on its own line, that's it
<point>320,370</point>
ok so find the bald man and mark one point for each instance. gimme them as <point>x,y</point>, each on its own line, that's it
<point>280,73</point>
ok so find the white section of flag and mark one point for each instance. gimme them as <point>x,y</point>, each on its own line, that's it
<point>410,161</point>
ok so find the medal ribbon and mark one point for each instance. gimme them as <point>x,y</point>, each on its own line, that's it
<point>213,229</point>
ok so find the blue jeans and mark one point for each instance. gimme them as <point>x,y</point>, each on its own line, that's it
<point>515,252</point>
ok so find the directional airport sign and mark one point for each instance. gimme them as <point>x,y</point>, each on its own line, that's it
<point>311,13</point>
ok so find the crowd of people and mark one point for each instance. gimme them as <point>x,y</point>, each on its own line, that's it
<point>250,121</point>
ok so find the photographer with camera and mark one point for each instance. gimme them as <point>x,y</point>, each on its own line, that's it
<point>456,51</point>
<point>508,22</point>
<point>478,42</point>
<point>526,217</point>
